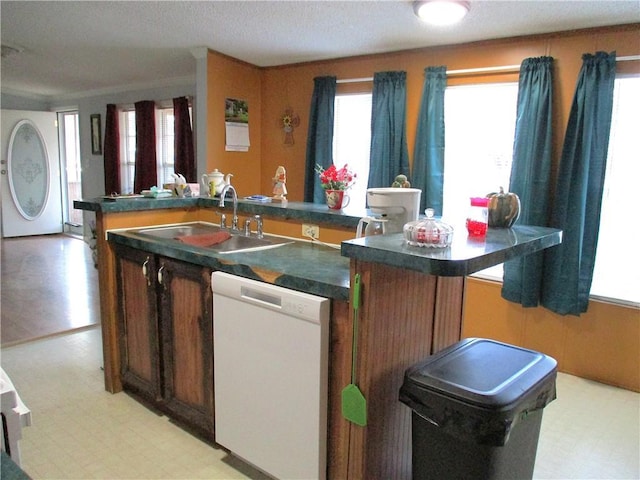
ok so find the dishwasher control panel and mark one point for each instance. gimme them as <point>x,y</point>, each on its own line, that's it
<point>298,304</point>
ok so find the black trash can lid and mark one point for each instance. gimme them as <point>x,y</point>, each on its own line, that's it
<point>479,390</point>
<point>482,372</point>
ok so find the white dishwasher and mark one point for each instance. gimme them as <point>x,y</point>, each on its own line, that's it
<point>271,347</point>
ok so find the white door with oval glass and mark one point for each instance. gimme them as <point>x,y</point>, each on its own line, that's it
<point>30,167</point>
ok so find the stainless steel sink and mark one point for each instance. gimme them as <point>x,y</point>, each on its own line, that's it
<point>240,243</point>
<point>237,243</point>
<point>173,231</point>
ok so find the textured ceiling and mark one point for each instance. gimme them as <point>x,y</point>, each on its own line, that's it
<point>70,49</point>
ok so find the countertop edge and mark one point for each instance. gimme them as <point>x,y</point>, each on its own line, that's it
<point>303,211</point>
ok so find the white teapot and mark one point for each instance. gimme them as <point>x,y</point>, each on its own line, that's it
<point>215,181</point>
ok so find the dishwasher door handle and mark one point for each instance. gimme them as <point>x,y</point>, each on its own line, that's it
<point>262,298</point>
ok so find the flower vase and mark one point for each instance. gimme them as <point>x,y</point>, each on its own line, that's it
<point>336,199</point>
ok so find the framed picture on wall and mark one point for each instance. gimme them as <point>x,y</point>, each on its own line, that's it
<point>96,134</point>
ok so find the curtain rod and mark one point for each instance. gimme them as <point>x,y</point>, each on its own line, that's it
<point>508,68</point>
<point>468,71</point>
<point>356,80</point>
<point>628,58</point>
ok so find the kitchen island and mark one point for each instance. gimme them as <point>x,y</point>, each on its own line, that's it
<point>411,305</point>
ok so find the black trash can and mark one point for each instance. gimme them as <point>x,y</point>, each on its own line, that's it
<point>477,409</point>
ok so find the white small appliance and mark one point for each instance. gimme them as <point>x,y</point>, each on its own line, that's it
<point>271,353</point>
<point>399,205</point>
<point>15,415</point>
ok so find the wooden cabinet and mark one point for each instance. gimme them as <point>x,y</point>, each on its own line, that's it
<point>166,335</point>
<point>138,323</point>
<point>186,320</point>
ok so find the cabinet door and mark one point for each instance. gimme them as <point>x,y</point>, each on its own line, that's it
<point>187,337</point>
<point>137,304</point>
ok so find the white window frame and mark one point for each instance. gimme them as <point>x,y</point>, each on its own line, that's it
<point>617,261</point>
<point>127,149</point>
<point>164,144</point>
<point>467,142</point>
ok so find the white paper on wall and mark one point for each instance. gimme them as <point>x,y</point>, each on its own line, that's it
<point>237,137</point>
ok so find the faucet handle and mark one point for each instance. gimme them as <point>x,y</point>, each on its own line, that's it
<point>259,231</point>
<point>247,227</point>
<point>223,220</point>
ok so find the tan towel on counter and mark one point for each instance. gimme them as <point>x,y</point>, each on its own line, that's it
<point>204,239</point>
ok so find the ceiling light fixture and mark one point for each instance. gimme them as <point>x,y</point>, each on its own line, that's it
<point>441,12</point>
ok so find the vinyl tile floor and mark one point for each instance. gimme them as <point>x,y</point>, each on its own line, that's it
<point>79,431</point>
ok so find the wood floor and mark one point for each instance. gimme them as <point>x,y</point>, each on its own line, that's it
<point>49,286</point>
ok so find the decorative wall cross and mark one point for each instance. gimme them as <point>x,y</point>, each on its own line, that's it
<point>289,121</point>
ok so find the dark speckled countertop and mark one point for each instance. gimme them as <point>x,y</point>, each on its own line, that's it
<point>300,211</point>
<point>466,254</point>
<point>321,270</point>
<point>301,265</point>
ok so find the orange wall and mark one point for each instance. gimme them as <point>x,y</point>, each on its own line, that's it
<point>231,78</point>
<point>604,343</point>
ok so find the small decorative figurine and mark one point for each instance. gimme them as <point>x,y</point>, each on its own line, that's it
<point>280,184</point>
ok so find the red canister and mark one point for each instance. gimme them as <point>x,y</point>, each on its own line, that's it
<point>478,217</point>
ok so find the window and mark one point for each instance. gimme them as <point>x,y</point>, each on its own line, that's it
<point>479,130</point>
<point>165,148</point>
<point>352,140</point>
<point>480,125</point>
<point>165,151</point>
<point>128,149</point>
<point>617,269</point>
<point>482,115</point>
<point>70,158</point>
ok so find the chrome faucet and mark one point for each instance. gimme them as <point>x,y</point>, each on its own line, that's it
<point>223,194</point>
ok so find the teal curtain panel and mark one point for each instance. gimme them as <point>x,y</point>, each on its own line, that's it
<point>320,136</point>
<point>428,152</point>
<point>569,266</point>
<point>530,171</point>
<point>389,152</point>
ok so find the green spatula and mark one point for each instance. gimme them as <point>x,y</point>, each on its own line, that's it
<point>354,405</point>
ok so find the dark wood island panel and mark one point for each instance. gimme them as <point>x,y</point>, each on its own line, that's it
<point>403,317</point>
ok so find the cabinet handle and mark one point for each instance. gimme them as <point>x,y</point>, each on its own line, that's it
<point>160,275</point>
<point>145,271</point>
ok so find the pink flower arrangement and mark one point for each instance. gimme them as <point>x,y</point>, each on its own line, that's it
<point>336,179</point>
